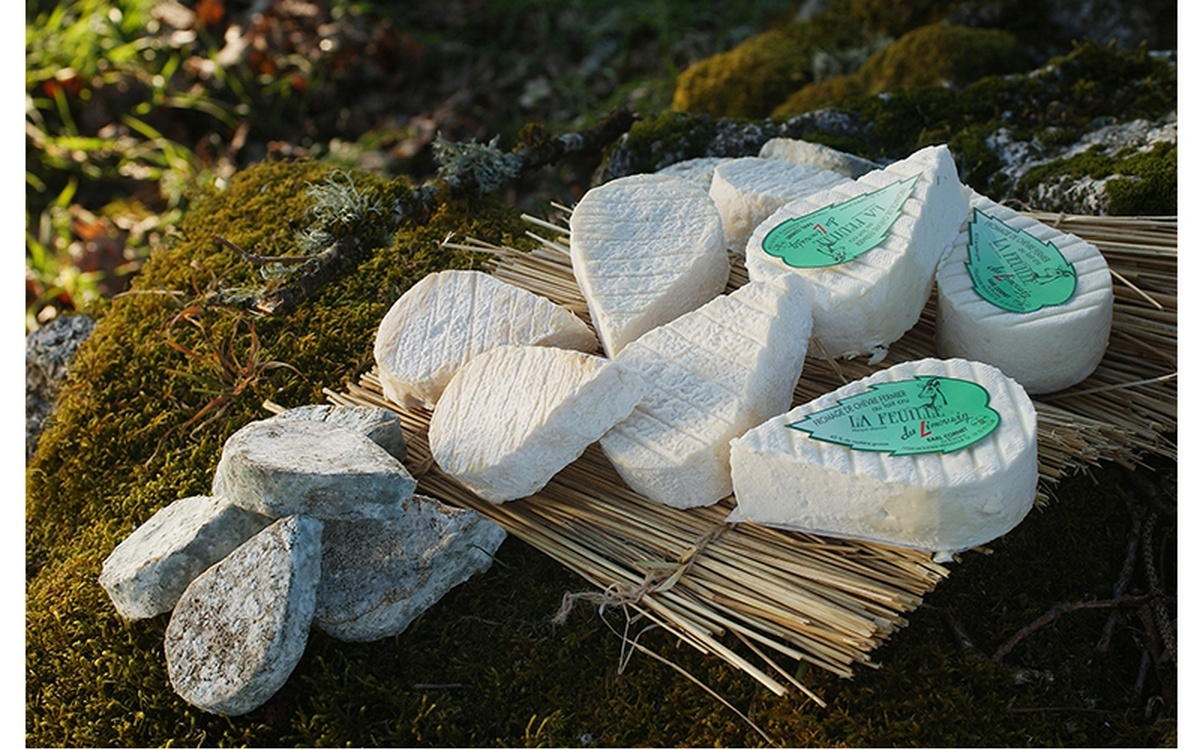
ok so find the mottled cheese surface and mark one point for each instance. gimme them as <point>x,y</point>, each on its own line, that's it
<point>645,249</point>
<point>710,375</point>
<point>865,302</point>
<point>446,318</point>
<point>1025,297</point>
<point>514,416</point>
<point>787,477</point>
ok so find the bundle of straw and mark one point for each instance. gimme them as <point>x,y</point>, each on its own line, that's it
<point>758,597</point>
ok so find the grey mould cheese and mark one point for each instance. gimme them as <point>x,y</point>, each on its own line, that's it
<point>868,247</point>
<point>645,249</point>
<point>1025,297</point>
<point>937,455</point>
<point>448,317</point>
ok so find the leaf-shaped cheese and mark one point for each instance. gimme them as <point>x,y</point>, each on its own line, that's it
<point>448,317</point>
<point>889,233</point>
<point>1025,297</point>
<point>645,249</point>
<point>868,461</point>
<point>710,375</point>
<point>514,416</point>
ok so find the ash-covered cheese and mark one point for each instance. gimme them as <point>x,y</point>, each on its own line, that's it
<point>710,375</point>
<point>750,189</point>
<point>868,247</point>
<point>514,416</point>
<point>1025,297</point>
<point>645,249</point>
<point>932,454</point>
<point>817,155</point>
<point>448,317</point>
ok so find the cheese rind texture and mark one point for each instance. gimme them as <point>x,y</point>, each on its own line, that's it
<point>699,170</point>
<point>448,317</point>
<point>944,503</point>
<point>1045,350</point>
<point>513,417</point>
<point>817,155</point>
<point>748,190</point>
<point>863,305</point>
<point>710,375</point>
<point>645,249</point>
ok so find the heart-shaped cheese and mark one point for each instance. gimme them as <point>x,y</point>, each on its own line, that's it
<point>646,249</point>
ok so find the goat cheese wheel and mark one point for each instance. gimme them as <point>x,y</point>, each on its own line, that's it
<point>932,454</point>
<point>446,318</point>
<point>710,375</point>
<point>869,248</point>
<point>514,416</point>
<point>750,189</point>
<point>814,154</point>
<point>645,249</point>
<point>1025,297</point>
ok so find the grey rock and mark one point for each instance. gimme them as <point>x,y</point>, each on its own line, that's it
<point>48,353</point>
<point>381,425</point>
<point>146,574</point>
<point>284,467</point>
<point>378,576</point>
<point>241,627</point>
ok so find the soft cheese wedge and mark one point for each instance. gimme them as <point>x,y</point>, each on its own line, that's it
<point>645,249</point>
<point>817,155</point>
<point>448,317</point>
<point>869,248</point>
<point>750,189</point>
<point>710,375</point>
<point>514,416</point>
<point>932,454</point>
<point>1025,297</point>
<point>699,170</point>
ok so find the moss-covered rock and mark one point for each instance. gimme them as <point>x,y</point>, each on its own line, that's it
<point>933,55</point>
<point>751,79</point>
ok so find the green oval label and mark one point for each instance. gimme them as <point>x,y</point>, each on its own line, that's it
<point>841,232</point>
<point>926,414</point>
<point>1014,270</point>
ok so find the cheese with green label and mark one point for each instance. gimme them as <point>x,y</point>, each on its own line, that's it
<point>750,189</point>
<point>868,247</point>
<point>513,417</point>
<point>645,249</point>
<point>446,318</point>
<point>938,455</point>
<point>1025,297</point>
<point>710,375</point>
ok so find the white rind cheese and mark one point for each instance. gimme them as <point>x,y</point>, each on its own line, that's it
<point>448,317</point>
<point>864,304</point>
<point>645,249</point>
<point>944,503</point>
<point>814,154</point>
<point>710,375</point>
<point>513,417</point>
<point>699,170</point>
<point>750,189</point>
<point>1045,349</point>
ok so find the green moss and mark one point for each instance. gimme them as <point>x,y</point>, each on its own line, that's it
<point>664,139</point>
<point>1060,101</point>
<point>933,55</point>
<point>1138,183</point>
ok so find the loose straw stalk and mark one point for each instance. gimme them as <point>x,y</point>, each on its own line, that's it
<point>758,597</point>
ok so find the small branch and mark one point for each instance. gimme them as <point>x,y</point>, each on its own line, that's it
<point>266,260</point>
<point>1060,609</point>
<point>286,298</point>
